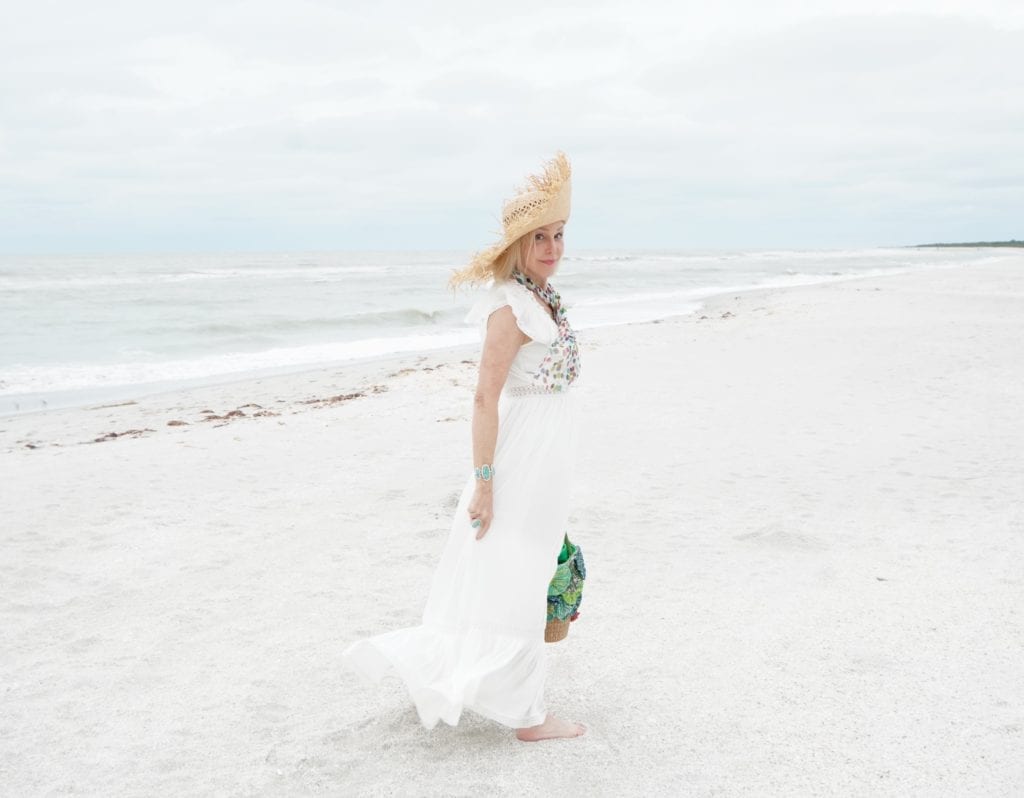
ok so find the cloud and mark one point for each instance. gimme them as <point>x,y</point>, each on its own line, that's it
<point>242,125</point>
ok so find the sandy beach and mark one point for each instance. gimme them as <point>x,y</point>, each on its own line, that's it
<point>802,511</point>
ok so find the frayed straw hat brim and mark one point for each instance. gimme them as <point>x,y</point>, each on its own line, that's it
<point>542,199</point>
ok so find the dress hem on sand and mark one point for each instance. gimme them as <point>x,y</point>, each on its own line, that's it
<point>466,671</point>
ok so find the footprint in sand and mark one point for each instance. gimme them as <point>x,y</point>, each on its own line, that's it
<point>777,537</point>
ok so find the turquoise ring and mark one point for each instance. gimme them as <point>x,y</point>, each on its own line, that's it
<point>476,523</point>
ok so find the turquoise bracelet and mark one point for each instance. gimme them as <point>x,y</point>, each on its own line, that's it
<point>484,472</point>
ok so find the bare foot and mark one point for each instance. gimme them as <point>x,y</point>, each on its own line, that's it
<point>550,728</point>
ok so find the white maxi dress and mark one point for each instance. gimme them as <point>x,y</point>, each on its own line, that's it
<point>480,645</point>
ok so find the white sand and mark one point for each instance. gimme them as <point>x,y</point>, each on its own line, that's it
<point>803,520</point>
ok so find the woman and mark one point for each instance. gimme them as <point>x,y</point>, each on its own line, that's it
<point>481,643</point>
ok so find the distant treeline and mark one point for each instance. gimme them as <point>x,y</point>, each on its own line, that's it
<point>1013,243</point>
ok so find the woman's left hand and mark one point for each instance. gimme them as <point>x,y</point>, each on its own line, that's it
<point>480,507</point>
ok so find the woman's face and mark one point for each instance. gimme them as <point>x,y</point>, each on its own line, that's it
<point>543,251</point>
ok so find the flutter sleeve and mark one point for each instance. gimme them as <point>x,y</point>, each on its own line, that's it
<point>530,316</point>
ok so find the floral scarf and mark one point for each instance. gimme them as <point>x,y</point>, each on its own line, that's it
<point>561,365</point>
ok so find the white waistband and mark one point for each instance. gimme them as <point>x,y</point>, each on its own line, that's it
<point>532,390</point>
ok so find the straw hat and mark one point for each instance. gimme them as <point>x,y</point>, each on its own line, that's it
<point>543,199</point>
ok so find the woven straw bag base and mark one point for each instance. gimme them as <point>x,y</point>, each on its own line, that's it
<point>556,630</point>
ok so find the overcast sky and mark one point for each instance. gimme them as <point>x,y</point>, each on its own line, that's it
<point>401,125</point>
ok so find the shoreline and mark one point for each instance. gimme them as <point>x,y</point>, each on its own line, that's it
<point>153,392</point>
<point>254,397</point>
<point>277,394</point>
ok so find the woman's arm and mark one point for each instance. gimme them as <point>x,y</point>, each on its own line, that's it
<point>501,343</point>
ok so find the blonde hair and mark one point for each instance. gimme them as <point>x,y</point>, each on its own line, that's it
<point>511,259</point>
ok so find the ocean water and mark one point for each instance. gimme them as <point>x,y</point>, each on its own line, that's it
<point>75,330</point>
